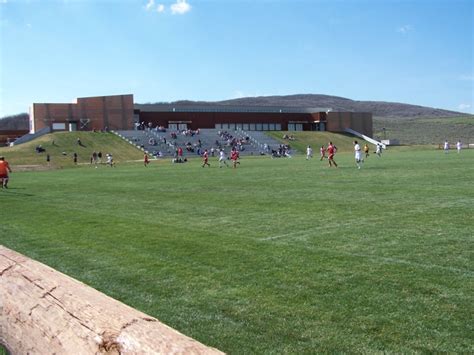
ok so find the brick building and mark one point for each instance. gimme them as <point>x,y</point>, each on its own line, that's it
<point>87,114</point>
<point>119,113</point>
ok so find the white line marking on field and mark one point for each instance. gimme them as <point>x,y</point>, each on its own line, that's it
<point>369,257</point>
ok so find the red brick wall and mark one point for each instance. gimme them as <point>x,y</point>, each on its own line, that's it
<point>113,112</point>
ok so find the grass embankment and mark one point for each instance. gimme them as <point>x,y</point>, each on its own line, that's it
<point>277,256</point>
<point>425,130</point>
<point>66,142</point>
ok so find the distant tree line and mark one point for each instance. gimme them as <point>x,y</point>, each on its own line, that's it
<point>15,122</point>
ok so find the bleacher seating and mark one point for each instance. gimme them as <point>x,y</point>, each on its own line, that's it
<point>165,145</point>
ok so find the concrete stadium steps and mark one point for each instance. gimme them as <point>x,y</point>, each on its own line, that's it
<point>209,139</point>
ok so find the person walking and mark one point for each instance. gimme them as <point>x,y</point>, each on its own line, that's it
<point>205,159</point>
<point>446,146</point>
<point>4,170</point>
<point>222,158</point>
<point>331,152</point>
<point>309,152</point>
<point>366,150</point>
<point>357,154</point>
<point>146,160</point>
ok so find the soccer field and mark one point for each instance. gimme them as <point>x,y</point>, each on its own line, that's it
<point>276,256</point>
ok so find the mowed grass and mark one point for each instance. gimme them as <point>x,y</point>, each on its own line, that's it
<point>277,256</point>
<point>61,147</point>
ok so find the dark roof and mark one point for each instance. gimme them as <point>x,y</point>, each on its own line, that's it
<point>225,108</point>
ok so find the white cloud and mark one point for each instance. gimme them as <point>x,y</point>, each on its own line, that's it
<point>464,107</point>
<point>29,25</point>
<point>160,8</point>
<point>404,29</point>
<point>3,1</point>
<point>150,5</point>
<point>180,7</point>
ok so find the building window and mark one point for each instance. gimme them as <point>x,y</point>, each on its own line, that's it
<point>277,126</point>
<point>245,126</point>
<point>265,127</point>
<point>252,127</point>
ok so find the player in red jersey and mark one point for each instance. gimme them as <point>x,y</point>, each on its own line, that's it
<point>234,156</point>
<point>4,170</point>
<point>205,159</point>
<point>331,151</point>
<point>322,152</point>
<point>146,160</point>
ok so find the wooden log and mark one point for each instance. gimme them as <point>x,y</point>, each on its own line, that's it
<point>43,311</point>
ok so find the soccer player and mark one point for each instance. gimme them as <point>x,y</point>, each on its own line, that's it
<point>234,155</point>
<point>110,160</point>
<point>4,170</point>
<point>322,152</point>
<point>378,150</point>
<point>357,152</point>
<point>146,160</point>
<point>205,159</point>
<point>366,150</point>
<point>446,146</point>
<point>309,152</point>
<point>459,146</point>
<point>331,151</point>
<point>222,158</point>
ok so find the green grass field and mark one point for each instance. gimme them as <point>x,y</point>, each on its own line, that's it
<point>277,256</point>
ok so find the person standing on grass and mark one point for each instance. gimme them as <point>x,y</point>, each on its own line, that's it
<point>459,146</point>
<point>322,152</point>
<point>309,152</point>
<point>331,151</point>
<point>378,150</point>
<point>48,159</point>
<point>180,154</point>
<point>358,153</point>
<point>146,160</point>
<point>366,150</point>
<point>234,156</point>
<point>222,158</point>
<point>74,158</point>
<point>205,159</point>
<point>446,146</point>
<point>4,170</point>
<point>110,160</point>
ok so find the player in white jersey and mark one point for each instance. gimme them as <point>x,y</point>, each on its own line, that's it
<point>446,146</point>
<point>459,146</point>
<point>378,150</point>
<point>358,154</point>
<point>309,152</point>
<point>222,158</point>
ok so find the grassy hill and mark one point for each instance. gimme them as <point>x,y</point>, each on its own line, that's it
<point>336,103</point>
<point>426,130</point>
<point>56,144</point>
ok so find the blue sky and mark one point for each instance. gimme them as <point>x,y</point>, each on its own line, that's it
<point>418,52</point>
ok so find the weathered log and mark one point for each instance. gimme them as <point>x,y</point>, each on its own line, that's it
<point>43,311</point>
